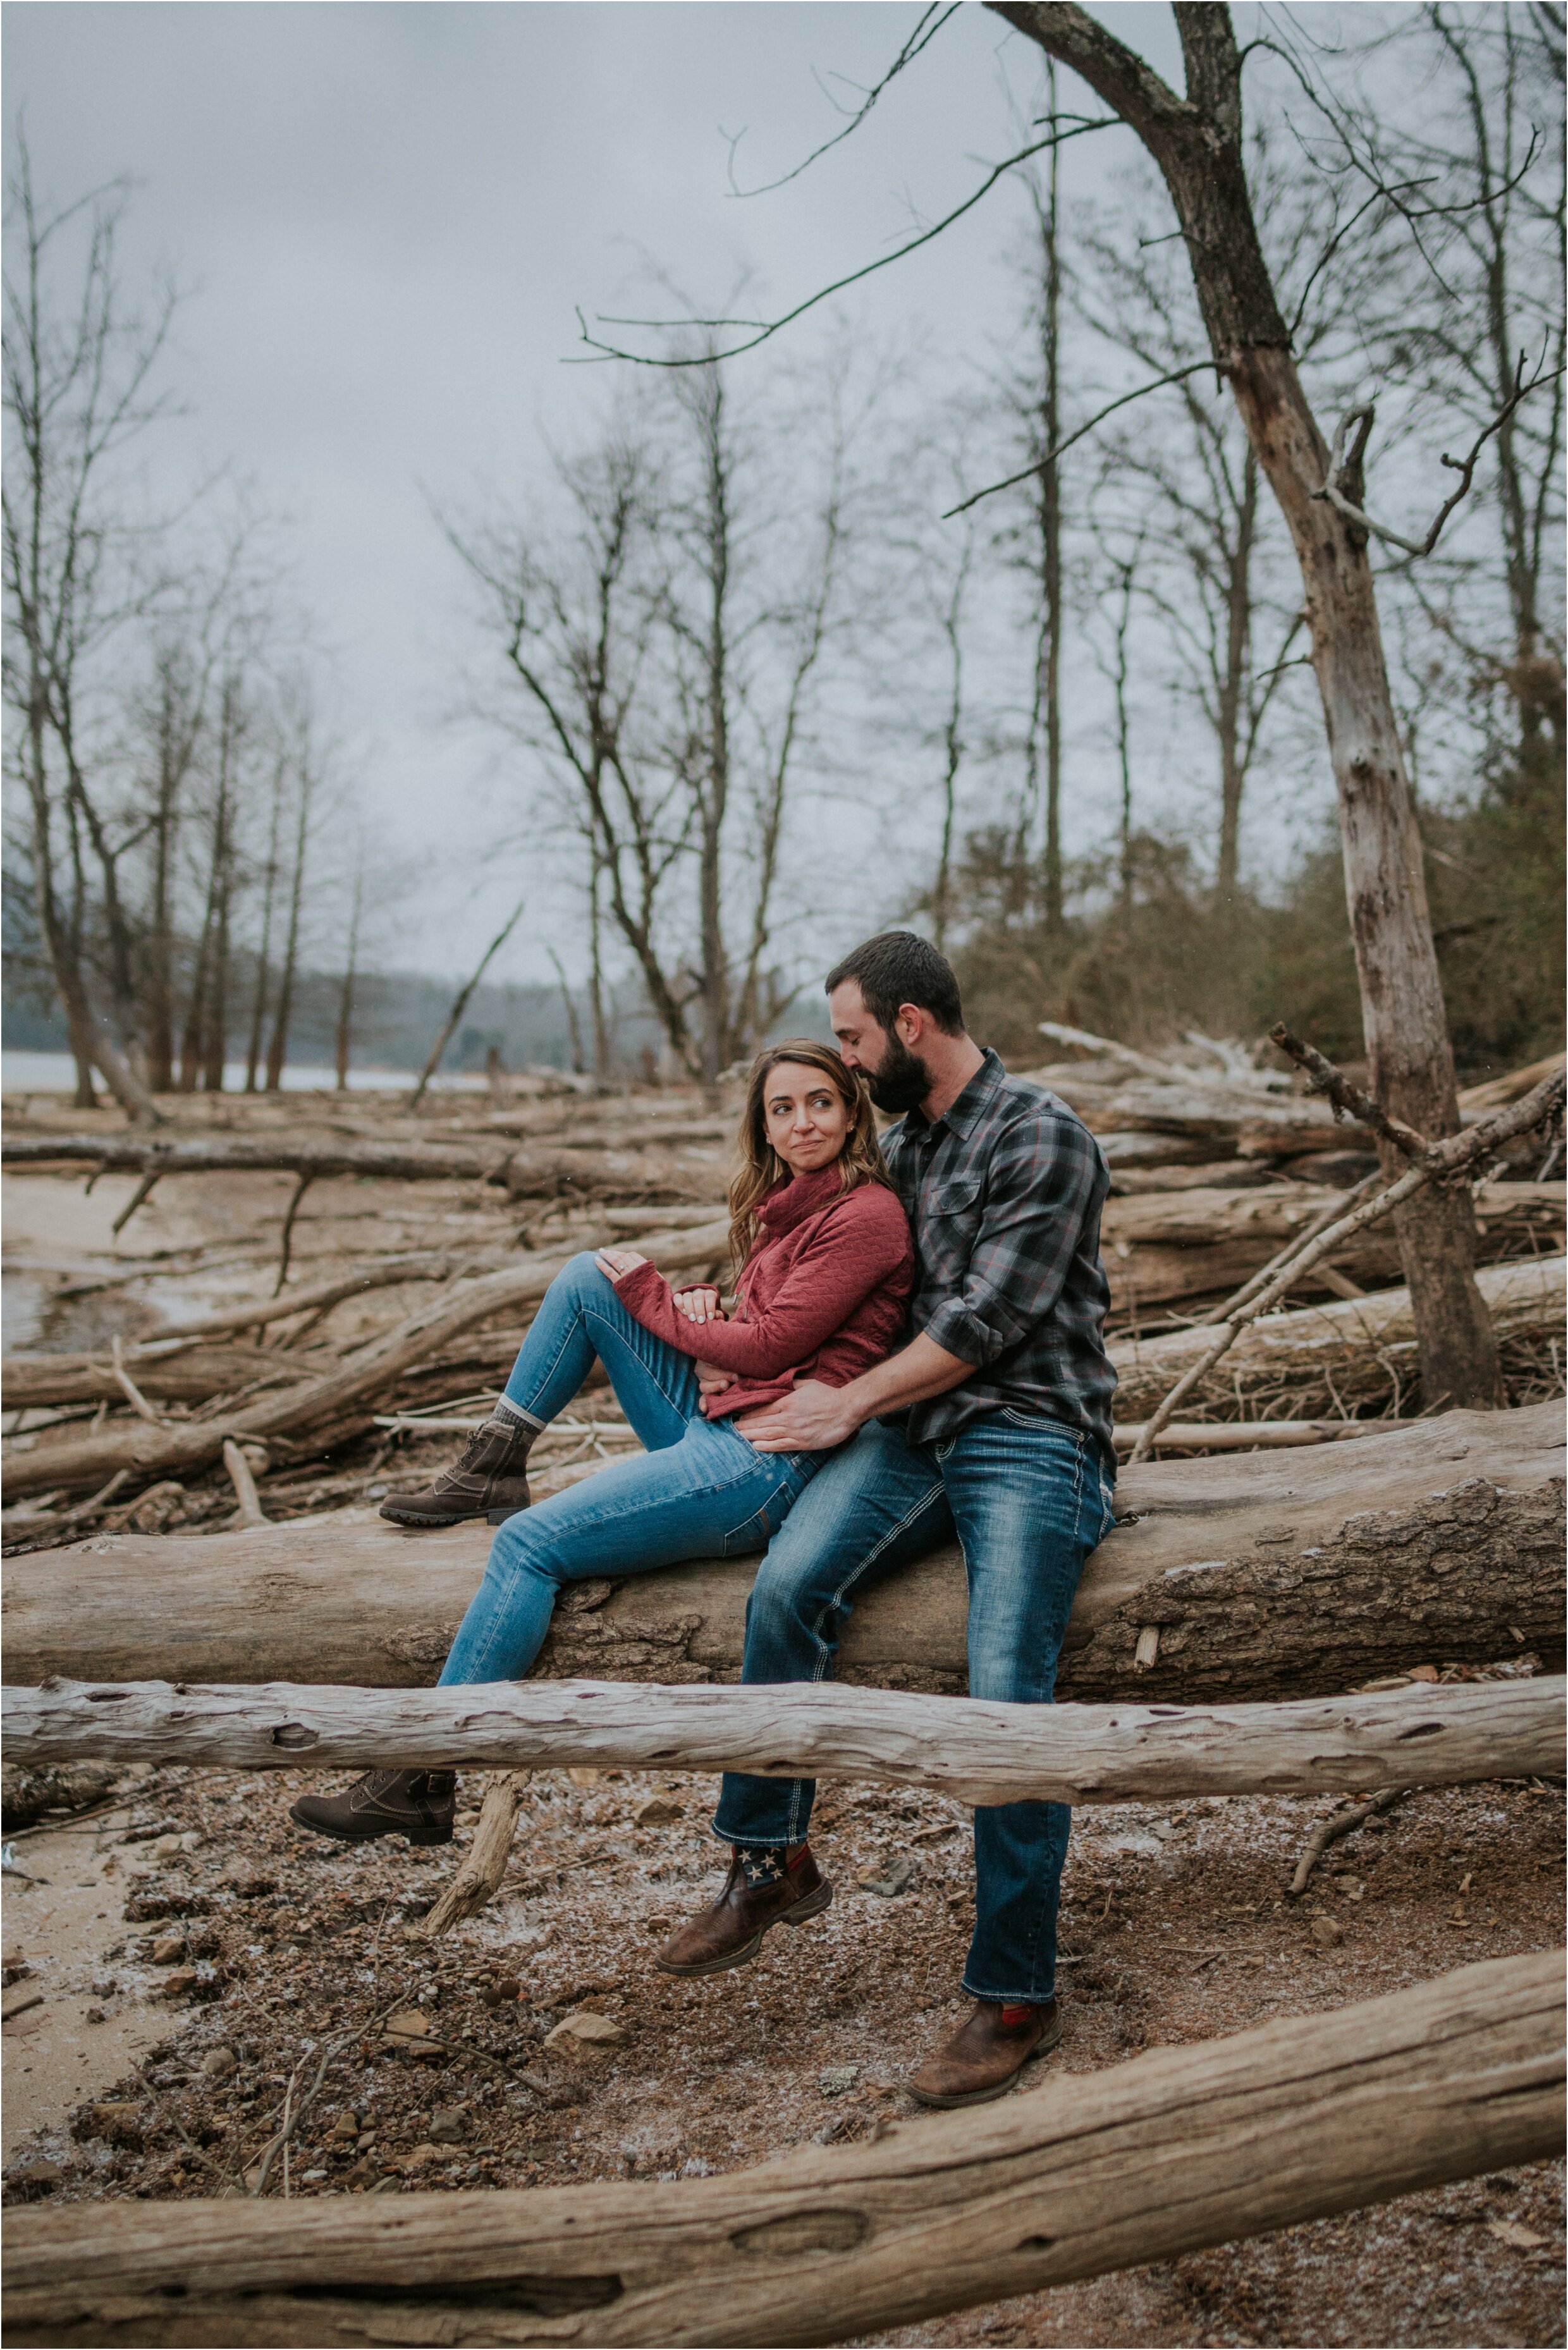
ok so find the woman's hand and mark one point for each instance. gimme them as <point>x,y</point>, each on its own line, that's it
<point>614,1262</point>
<point>712,1380</point>
<point>700,1304</point>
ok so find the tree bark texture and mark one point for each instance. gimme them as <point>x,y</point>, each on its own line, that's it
<point>1174,2150</point>
<point>975,1751</point>
<point>1197,143</point>
<point>1266,1576</point>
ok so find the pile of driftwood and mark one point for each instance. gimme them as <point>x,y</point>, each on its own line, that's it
<point>1214,1167</point>
<point>1219,1170</point>
<point>1212,1642</point>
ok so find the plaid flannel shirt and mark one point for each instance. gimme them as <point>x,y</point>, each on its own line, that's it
<point>1003,1193</point>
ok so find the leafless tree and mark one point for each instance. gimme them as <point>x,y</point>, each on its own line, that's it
<point>1477,298</point>
<point>666,647</point>
<point>1196,140</point>
<point>81,369</point>
<point>1120,567</point>
<point>1035,400</point>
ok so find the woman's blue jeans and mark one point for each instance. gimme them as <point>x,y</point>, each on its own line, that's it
<point>699,1491</point>
<point>1028,1499</point>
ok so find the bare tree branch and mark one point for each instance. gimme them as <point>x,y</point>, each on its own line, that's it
<point>1340,468</point>
<point>766,328</point>
<point>924,32</point>
<point>1178,375</point>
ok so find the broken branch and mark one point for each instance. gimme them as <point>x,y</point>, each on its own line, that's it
<point>1344,1096</point>
<point>1340,468</point>
<point>1438,1161</point>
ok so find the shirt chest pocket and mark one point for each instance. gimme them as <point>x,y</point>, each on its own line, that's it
<point>954,1210</point>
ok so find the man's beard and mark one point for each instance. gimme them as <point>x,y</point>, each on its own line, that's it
<point>903,1080</point>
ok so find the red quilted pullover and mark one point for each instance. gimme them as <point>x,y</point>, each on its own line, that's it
<point>822,1296</point>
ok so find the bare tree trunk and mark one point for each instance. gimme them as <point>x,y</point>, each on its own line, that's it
<point>1051,530</point>
<point>345,1037</point>
<point>1127,576</point>
<point>216,1055</point>
<point>91,1047</point>
<point>952,749</point>
<point>1233,681</point>
<point>216,1028</point>
<point>603,1044</point>
<point>708,411</point>
<point>573,1025</point>
<point>176,726</point>
<point>1197,143</point>
<point>1041,406</point>
<point>264,951</point>
<point>460,1001</point>
<point>277,1049</point>
<point>193,1038</point>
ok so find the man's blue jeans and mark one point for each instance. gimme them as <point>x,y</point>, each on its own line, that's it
<point>699,1491</point>
<point>1028,1499</point>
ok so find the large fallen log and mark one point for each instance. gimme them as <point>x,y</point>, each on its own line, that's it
<point>1357,1353</point>
<point>31,1381</point>
<point>132,1152</point>
<point>1201,1106</point>
<point>1172,2151</point>
<point>340,1400</point>
<point>1204,1219</point>
<point>975,1750</point>
<point>641,1169</point>
<point>1160,1248</point>
<point>1262,1574</point>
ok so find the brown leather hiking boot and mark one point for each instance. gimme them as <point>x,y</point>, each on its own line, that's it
<point>488,1480</point>
<point>985,2056</point>
<point>762,1889</point>
<point>418,1804</point>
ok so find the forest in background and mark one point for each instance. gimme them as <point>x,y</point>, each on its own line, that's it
<point>844,608</point>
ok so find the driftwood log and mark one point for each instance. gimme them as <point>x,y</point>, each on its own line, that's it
<point>1175,2149</point>
<point>975,1750</point>
<point>1262,1574</point>
<point>340,1400</point>
<point>133,1152</point>
<point>1357,1351</point>
<point>586,1169</point>
<point>1161,1247</point>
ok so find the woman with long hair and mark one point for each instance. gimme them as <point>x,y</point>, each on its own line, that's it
<point>822,1266</point>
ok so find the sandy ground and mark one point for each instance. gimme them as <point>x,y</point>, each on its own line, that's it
<point>244,1937</point>
<point>61,1918</point>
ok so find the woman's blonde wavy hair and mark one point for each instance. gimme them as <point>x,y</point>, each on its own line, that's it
<point>759,1165</point>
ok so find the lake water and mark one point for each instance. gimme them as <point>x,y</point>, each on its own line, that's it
<point>54,1072</point>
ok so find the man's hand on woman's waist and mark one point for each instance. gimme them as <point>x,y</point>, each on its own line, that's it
<point>814,1417</point>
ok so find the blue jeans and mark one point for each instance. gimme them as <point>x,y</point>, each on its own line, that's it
<point>1028,1499</point>
<point>699,1491</point>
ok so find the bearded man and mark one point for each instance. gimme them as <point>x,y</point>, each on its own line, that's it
<point>993,1423</point>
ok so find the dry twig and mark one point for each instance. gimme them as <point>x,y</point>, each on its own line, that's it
<point>1339,1824</point>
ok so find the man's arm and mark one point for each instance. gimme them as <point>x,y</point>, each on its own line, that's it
<point>813,1418</point>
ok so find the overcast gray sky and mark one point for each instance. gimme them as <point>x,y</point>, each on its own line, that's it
<point>386,215</point>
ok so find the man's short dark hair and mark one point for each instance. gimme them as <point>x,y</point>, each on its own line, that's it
<point>896,968</point>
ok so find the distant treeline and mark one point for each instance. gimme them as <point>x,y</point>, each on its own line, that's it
<point>398,1016</point>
